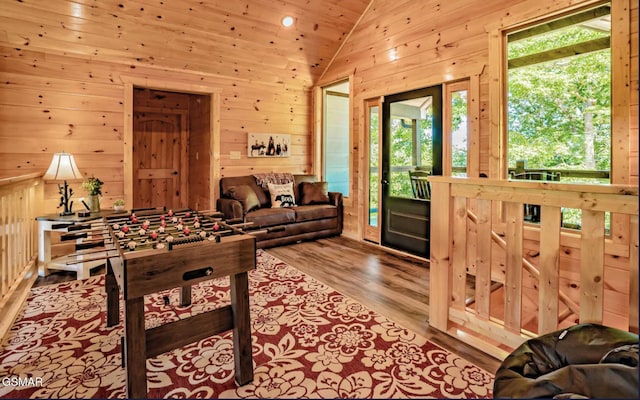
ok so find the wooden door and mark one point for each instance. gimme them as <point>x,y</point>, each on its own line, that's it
<point>160,158</point>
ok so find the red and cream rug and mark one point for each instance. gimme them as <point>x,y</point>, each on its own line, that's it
<point>309,341</point>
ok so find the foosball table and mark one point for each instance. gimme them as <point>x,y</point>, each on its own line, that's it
<point>160,250</point>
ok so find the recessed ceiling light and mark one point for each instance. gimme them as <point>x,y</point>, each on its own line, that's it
<point>287,21</point>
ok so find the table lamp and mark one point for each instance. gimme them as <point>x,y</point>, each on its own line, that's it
<point>63,168</point>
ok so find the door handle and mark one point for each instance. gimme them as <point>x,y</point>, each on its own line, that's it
<point>384,182</point>
<point>175,173</point>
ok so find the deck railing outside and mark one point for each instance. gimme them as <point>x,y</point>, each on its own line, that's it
<point>20,198</point>
<point>530,279</point>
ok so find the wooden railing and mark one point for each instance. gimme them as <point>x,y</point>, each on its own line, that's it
<point>20,199</point>
<point>524,279</point>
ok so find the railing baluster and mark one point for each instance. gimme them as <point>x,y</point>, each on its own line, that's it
<point>549,281</point>
<point>592,267</point>
<point>513,273</point>
<point>12,234</point>
<point>459,256</point>
<point>4,256</point>
<point>483,263</point>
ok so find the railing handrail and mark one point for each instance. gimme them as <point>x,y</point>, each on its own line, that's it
<point>542,192</point>
<point>18,179</point>
<point>575,187</point>
<point>564,173</point>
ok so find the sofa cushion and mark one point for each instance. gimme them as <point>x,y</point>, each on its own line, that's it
<point>249,180</point>
<point>279,178</point>
<point>244,194</point>
<point>264,217</point>
<point>315,211</point>
<point>314,193</point>
<point>298,179</point>
<point>281,195</point>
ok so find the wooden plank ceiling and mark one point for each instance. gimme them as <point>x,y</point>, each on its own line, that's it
<point>230,38</point>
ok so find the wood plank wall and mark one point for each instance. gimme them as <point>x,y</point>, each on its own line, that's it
<point>434,42</point>
<point>53,102</point>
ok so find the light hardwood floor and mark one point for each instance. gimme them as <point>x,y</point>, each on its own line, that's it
<point>393,285</point>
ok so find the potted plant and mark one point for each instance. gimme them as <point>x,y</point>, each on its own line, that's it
<point>118,205</point>
<point>93,186</point>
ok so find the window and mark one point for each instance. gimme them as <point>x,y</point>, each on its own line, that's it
<point>373,125</point>
<point>335,149</point>
<point>559,101</point>
<point>559,97</point>
<point>456,136</point>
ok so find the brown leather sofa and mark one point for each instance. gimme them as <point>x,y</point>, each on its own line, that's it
<point>583,361</point>
<point>308,219</point>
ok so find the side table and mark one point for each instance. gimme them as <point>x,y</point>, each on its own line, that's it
<point>61,223</point>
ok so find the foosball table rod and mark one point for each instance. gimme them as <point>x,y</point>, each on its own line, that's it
<point>92,259</point>
<point>272,229</point>
<point>84,234</point>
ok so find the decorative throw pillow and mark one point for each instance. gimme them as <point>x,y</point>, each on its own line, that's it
<point>245,195</point>
<point>314,193</point>
<point>281,195</point>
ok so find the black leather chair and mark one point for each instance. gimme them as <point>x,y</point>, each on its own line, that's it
<point>584,361</point>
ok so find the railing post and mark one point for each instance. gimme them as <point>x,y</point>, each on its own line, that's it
<point>633,274</point>
<point>439,268</point>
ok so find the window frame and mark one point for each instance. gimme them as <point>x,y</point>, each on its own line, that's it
<point>620,172</point>
<point>620,93</point>
<point>320,151</point>
<point>447,137</point>
<point>556,23</point>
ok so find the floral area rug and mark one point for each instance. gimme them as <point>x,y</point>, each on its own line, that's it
<point>309,341</point>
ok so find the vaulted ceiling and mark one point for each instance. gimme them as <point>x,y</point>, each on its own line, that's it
<point>233,38</point>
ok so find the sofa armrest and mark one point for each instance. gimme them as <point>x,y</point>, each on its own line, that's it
<point>230,208</point>
<point>335,198</point>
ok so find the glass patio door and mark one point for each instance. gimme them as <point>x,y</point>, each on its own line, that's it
<point>411,141</point>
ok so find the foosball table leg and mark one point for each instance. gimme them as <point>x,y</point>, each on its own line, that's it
<point>242,350</point>
<point>113,297</point>
<point>135,348</point>
<point>185,296</point>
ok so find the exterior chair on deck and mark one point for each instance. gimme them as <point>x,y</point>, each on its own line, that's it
<point>420,185</point>
<point>532,212</point>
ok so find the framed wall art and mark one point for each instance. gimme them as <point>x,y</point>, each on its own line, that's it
<point>268,145</point>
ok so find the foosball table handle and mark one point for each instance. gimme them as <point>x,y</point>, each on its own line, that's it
<point>197,273</point>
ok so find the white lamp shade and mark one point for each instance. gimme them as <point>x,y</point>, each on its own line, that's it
<point>63,168</point>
